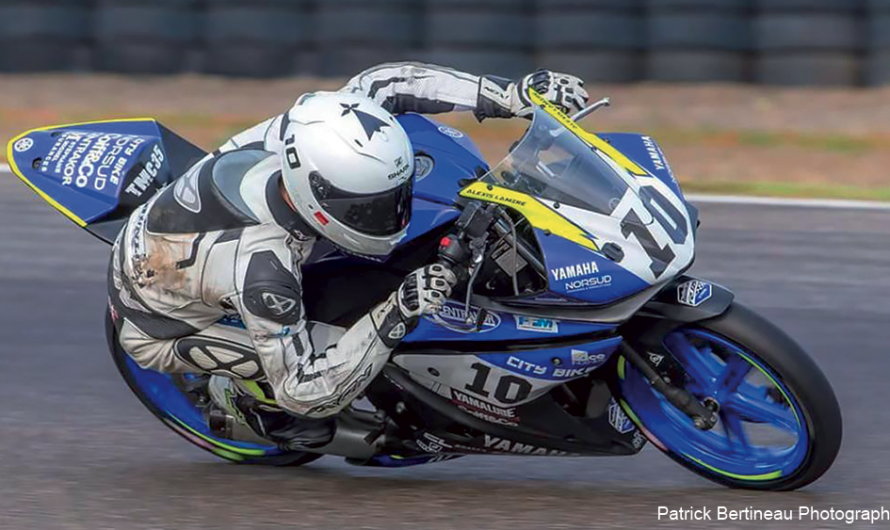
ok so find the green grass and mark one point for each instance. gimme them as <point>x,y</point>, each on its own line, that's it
<point>830,142</point>
<point>210,131</point>
<point>787,189</point>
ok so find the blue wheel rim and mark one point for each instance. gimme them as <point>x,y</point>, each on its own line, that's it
<point>721,369</point>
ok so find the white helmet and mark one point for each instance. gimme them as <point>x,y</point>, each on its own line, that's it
<point>348,167</point>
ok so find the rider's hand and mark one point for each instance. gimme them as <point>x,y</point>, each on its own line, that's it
<point>499,97</point>
<point>425,290</point>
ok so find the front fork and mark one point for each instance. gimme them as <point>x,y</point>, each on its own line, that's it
<point>703,416</point>
<point>668,310</point>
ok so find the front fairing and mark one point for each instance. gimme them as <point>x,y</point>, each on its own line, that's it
<point>607,226</point>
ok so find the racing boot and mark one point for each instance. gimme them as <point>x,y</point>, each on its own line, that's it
<point>236,414</point>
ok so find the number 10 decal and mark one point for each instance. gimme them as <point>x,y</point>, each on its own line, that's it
<point>510,388</point>
<point>668,217</point>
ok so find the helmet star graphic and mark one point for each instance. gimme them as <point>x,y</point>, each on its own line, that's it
<point>369,123</point>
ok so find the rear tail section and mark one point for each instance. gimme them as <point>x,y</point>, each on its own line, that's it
<point>97,173</point>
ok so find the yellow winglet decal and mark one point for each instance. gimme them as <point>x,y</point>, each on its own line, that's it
<point>588,137</point>
<point>537,213</point>
<point>18,173</point>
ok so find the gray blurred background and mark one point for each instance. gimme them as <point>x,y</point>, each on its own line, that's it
<point>709,79</point>
<point>776,42</point>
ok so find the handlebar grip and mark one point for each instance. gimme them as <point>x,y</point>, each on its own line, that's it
<point>454,255</point>
<point>452,251</point>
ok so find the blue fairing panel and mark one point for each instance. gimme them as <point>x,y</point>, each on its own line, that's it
<point>645,152</point>
<point>83,169</point>
<point>581,274</point>
<point>426,216</point>
<point>556,364</point>
<point>496,327</point>
<point>454,157</point>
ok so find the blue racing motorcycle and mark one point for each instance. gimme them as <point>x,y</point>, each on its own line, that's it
<point>574,332</point>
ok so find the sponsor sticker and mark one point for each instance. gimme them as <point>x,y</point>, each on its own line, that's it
<point>484,410</point>
<point>453,313</point>
<point>494,197</point>
<point>573,271</point>
<point>494,443</point>
<point>638,440</point>
<point>423,166</point>
<point>571,373</point>
<point>538,325</point>
<point>618,419</point>
<point>694,293</point>
<point>431,443</point>
<point>581,357</point>
<point>449,131</point>
<point>23,145</point>
<point>526,366</point>
<point>91,159</point>
<point>145,179</point>
<point>654,155</point>
<point>581,276</point>
<point>585,284</point>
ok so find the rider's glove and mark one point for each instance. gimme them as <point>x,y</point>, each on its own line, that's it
<point>423,292</point>
<point>502,98</point>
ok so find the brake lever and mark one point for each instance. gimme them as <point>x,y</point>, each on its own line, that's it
<point>583,113</point>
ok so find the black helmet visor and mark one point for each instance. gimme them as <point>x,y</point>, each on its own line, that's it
<point>375,214</point>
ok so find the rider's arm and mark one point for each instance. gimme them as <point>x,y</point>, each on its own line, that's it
<point>416,87</point>
<point>398,87</point>
<point>312,374</point>
<point>430,89</point>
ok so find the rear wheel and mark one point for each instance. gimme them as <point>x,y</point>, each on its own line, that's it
<point>178,401</point>
<point>780,424</point>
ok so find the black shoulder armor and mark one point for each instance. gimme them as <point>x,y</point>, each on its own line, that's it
<point>271,291</point>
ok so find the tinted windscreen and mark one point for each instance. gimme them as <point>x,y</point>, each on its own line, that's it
<point>550,162</point>
<point>377,214</point>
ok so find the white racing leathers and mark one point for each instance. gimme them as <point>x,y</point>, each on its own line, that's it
<point>221,242</point>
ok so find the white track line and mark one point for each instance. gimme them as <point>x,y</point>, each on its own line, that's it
<point>799,203</point>
<point>765,201</point>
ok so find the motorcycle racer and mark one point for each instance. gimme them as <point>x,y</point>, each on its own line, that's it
<point>229,237</point>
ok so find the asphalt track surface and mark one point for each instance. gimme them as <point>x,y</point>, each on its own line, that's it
<point>78,451</point>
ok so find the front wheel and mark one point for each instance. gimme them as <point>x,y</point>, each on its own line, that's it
<point>780,424</point>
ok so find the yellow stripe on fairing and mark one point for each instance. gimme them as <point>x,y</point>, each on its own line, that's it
<point>17,172</point>
<point>590,138</point>
<point>538,214</point>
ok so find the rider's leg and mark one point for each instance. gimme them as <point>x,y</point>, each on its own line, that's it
<point>219,349</point>
<point>255,408</point>
<point>227,353</point>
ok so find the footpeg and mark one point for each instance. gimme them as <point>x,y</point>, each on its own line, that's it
<point>220,423</point>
